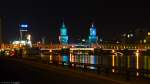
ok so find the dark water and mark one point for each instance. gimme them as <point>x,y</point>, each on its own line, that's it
<point>136,61</point>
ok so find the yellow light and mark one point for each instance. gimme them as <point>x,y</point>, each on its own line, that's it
<point>128,36</point>
<point>81,48</point>
<point>148,33</point>
<point>137,74</point>
<point>70,57</point>
<point>137,61</point>
<point>64,46</point>
<point>29,37</point>
<point>50,50</point>
<point>144,40</point>
<point>113,51</point>
<point>113,62</point>
<point>51,58</point>
<point>113,70</point>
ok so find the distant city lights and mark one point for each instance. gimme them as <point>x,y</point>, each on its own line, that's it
<point>22,42</point>
<point>19,42</point>
<point>148,33</point>
<point>83,40</point>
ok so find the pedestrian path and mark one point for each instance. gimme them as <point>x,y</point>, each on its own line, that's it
<point>115,78</point>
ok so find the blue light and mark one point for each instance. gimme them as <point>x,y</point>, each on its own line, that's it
<point>64,39</point>
<point>63,31</point>
<point>24,25</point>
<point>65,58</point>
<point>63,34</point>
<point>92,32</point>
<point>93,37</point>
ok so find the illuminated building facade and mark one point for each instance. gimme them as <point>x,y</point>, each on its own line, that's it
<point>23,31</point>
<point>93,38</point>
<point>25,38</point>
<point>63,38</point>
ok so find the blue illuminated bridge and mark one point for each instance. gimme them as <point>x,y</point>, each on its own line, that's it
<point>92,42</point>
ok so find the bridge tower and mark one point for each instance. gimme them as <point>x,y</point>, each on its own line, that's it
<point>93,37</point>
<point>63,38</point>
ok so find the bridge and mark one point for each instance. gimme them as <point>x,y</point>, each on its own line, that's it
<point>103,46</point>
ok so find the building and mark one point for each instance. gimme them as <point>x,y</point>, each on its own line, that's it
<point>147,38</point>
<point>140,34</point>
<point>25,38</point>
<point>93,37</point>
<point>63,38</point>
<point>128,38</point>
<point>23,28</point>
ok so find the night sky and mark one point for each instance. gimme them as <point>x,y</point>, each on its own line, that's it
<point>45,17</point>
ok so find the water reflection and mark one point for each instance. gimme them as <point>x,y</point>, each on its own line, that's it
<point>131,59</point>
<point>147,65</point>
<point>51,58</point>
<point>137,61</point>
<point>84,59</point>
<point>65,59</point>
<point>113,62</point>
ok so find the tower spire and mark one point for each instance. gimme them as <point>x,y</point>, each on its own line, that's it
<point>93,25</point>
<point>63,23</point>
<point>63,38</point>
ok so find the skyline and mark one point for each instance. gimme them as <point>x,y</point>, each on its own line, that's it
<point>74,41</point>
<point>50,28</point>
<point>45,17</point>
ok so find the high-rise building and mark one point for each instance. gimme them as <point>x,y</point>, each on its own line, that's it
<point>63,38</point>
<point>23,28</point>
<point>93,37</point>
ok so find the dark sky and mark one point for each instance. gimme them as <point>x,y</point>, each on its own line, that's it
<point>45,16</point>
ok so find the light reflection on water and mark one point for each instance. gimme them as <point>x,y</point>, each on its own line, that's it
<point>85,59</point>
<point>135,60</point>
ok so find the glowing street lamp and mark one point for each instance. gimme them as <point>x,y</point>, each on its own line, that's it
<point>148,33</point>
<point>29,37</point>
